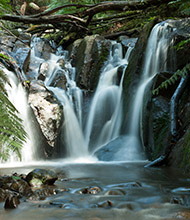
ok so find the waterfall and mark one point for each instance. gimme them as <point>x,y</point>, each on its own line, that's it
<point>84,133</point>
<point>17,95</point>
<point>83,137</point>
<point>155,61</point>
<point>104,119</point>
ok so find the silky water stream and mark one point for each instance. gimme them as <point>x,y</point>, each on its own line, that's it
<point>95,190</point>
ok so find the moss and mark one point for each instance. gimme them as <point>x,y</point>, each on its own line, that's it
<point>100,49</point>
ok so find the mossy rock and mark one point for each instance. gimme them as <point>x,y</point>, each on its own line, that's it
<point>89,58</point>
<point>40,177</point>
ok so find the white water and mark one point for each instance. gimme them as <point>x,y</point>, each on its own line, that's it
<point>155,62</point>
<point>104,118</point>
<point>17,95</point>
<point>105,114</point>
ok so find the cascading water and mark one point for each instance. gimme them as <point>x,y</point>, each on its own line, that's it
<point>104,117</point>
<point>156,61</point>
<point>17,95</point>
<point>85,134</point>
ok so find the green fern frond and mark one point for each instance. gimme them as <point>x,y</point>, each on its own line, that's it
<point>12,133</point>
<point>178,74</point>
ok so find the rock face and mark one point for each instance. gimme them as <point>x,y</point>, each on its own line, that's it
<point>47,111</point>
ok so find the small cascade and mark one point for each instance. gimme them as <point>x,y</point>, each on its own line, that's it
<point>156,61</point>
<point>104,119</point>
<point>17,95</point>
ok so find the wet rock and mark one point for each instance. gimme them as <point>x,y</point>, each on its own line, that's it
<point>177,200</point>
<point>60,80</point>
<point>116,150</point>
<point>47,111</point>
<point>43,48</point>
<point>42,193</point>
<point>11,202</point>
<point>127,205</point>
<point>62,203</point>
<point>21,53</point>
<point>116,192</point>
<point>40,177</point>
<point>90,56</point>
<point>183,215</point>
<point>3,195</point>
<point>20,186</point>
<point>7,43</point>
<point>105,204</point>
<point>43,71</point>
<point>91,190</point>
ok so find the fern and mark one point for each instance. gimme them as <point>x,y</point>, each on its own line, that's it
<point>12,133</point>
<point>178,74</point>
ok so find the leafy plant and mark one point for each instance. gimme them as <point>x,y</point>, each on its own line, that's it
<point>182,43</point>
<point>12,133</point>
<point>178,74</point>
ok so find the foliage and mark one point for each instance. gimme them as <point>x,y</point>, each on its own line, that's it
<point>183,6</point>
<point>4,6</point>
<point>182,44</point>
<point>178,74</point>
<point>12,134</point>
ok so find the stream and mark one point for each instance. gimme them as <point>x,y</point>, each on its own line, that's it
<point>102,190</point>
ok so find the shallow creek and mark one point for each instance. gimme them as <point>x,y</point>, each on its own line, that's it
<point>117,191</point>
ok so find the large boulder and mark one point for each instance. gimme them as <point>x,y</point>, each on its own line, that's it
<point>88,56</point>
<point>119,149</point>
<point>47,111</point>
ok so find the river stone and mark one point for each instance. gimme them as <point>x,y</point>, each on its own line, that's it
<point>115,192</point>
<point>43,71</point>
<point>91,190</point>
<point>39,177</point>
<point>3,195</point>
<point>11,202</point>
<point>20,186</point>
<point>46,110</point>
